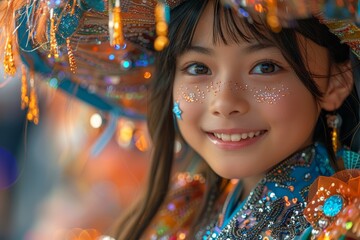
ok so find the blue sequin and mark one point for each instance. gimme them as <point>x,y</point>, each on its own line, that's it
<point>333,205</point>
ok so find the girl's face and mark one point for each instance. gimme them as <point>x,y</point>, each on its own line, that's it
<point>243,107</point>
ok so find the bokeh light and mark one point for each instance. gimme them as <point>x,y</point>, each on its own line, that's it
<point>111,57</point>
<point>96,120</point>
<point>147,75</point>
<point>54,83</point>
<point>141,142</point>
<point>126,132</point>
<point>126,64</point>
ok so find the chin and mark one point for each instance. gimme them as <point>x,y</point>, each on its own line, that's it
<point>228,173</point>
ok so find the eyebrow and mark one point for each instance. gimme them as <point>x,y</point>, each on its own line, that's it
<point>247,49</point>
<point>258,46</point>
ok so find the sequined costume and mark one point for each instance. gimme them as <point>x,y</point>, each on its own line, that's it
<point>273,210</point>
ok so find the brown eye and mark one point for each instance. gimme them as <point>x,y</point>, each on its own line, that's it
<point>198,69</point>
<point>265,68</point>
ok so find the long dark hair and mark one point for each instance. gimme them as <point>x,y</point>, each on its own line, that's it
<point>184,20</point>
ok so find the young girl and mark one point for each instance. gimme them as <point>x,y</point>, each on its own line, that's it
<point>258,107</point>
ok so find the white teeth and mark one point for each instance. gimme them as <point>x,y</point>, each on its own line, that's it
<point>225,137</point>
<point>236,137</point>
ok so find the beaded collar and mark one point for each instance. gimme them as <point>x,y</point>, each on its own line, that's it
<point>274,209</point>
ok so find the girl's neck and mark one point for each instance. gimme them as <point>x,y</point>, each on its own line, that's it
<point>248,185</point>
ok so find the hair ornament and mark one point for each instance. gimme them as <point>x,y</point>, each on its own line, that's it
<point>341,17</point>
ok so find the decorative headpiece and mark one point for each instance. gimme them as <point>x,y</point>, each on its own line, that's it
<point>104,49</point>
<point>341,17</point>
<point>97,44</point>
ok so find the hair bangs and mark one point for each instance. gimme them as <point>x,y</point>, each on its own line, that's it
<point>230,28</point>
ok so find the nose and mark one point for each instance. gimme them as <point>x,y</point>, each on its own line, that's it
<point>228,102</point>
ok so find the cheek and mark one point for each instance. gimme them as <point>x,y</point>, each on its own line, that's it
<point>296,110</point>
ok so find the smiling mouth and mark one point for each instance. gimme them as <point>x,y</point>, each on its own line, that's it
<point>238,136</point>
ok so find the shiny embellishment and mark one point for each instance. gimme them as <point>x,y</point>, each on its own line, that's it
<point>33,110</point>
<point>334,122</point>
<point>274,209</point>
<point>9,62</point>
<point>67,24</point>
<point>323,223</point>
<point>115,24</point>
<point>24,89</point>
<point>333,205</point>
<point>72,62</point>
<point>177,111</point>
<point>162,18</point>
<point>54,52</point>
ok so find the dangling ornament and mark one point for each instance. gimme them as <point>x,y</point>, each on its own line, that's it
<point>115,24</point>
<point>334,122</point>
<point>9,61</point>
<point>24,89</point>
<point>33,111</point>
<point>72,62</point>
<point>162,18</point>
<point>53,43</point>
<point>272,16</point>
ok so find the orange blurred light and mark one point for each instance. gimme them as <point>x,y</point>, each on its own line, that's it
<point>141,142</point>
<point>160,43</point>
<point>147,75</point>
<point>259,8</point>
<point>126,132</point>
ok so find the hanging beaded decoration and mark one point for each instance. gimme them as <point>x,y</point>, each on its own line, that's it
<point>24,89</point>
<point>115,24</point>
<point>162,18</point>
<point>53,52</point>
<point>9,62</point>
<point>33,111</point>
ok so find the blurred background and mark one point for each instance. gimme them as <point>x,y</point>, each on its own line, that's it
<point>53,184</point>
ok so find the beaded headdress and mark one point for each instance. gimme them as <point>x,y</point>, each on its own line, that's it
<point>97,44</point>
<point>103,49</point>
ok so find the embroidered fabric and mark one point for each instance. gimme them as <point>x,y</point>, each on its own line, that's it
<point>273,210</point>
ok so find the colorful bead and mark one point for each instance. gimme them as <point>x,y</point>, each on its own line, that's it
<point>333,205</point>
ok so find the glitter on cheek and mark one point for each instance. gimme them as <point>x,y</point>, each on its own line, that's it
<point>270,95</point>
<point>191,94</point>
<point>198,93</point>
